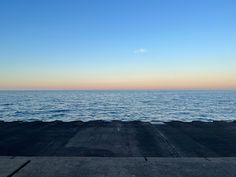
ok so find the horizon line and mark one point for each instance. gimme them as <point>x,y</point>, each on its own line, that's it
<point>194,89</point>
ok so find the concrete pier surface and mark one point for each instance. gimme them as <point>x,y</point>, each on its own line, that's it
<point>132,149</point>
<point>118,139</point>
<point>116,167</point>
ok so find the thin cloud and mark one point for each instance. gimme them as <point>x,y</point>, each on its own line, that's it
<point>140,51</point>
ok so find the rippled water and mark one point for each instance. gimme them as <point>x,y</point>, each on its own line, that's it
<point>153,106</point>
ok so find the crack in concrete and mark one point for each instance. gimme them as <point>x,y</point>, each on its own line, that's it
<point>18,169</point>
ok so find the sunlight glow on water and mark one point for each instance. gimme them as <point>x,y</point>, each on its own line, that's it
<point>151,106</point>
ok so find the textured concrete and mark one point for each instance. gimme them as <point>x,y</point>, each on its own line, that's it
<point>8,165</point>
<point>122,141</point>
<point>123,167</point>
<point>118,139</point>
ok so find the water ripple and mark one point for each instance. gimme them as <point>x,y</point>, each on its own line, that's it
<point>152,106</point>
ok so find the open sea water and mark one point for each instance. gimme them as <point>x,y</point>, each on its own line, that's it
<point>149,106</point>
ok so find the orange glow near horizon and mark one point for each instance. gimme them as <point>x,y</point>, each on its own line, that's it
<point>155,84</point>
<point>120,81</point>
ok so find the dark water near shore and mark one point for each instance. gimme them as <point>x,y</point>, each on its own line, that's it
<point>151,106</point>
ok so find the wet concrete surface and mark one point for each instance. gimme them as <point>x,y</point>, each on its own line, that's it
<point>123,149</point>
<point>118,139</point>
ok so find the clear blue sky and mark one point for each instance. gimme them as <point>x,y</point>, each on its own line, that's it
<point>117,44</point>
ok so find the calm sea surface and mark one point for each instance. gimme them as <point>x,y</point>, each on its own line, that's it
<point>152,106</point>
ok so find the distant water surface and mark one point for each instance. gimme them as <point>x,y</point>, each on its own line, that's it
<point>151,106</point>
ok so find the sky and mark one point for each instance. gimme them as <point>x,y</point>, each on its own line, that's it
<point>118,44</point>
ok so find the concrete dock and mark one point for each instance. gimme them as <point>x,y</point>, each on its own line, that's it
<point>118,139</point>
<point>116,167</point>
<point>134,149</point>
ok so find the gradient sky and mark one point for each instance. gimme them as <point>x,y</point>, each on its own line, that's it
<point>118,44</point>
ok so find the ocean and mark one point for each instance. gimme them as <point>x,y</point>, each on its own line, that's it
<point>148,106</point>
